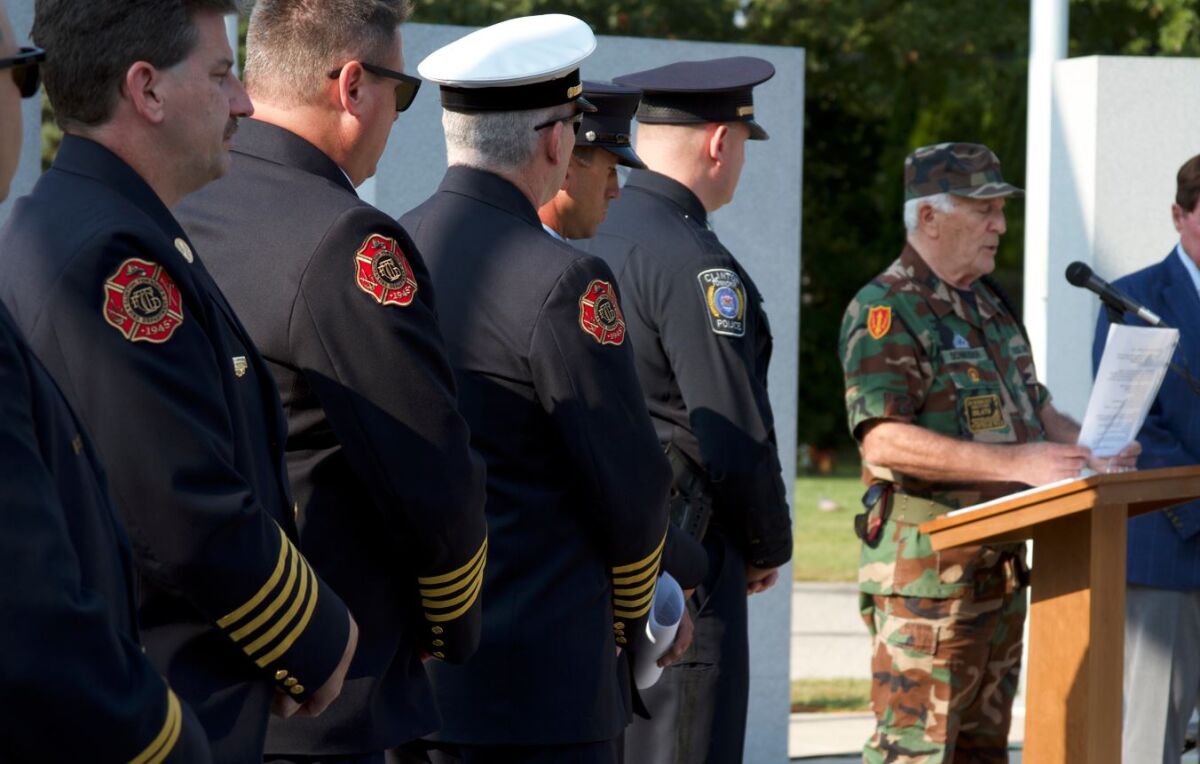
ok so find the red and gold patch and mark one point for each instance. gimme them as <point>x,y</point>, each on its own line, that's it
<point>599,314</point>
<point>382,271</point>
<point>879,320</point>
<point>142,302</point>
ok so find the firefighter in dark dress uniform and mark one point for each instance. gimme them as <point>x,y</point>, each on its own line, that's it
<point>577,484</point>
<point>116,302</point>
<point>391,496</point>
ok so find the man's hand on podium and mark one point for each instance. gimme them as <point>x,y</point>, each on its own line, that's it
<point>1124,461</point>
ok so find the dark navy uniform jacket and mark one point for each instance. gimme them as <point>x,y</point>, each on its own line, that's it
<point>111,296</point>
<point>702,344</point>
<point>391,497</point>
<point>576,482</point>
<point>76,684</point>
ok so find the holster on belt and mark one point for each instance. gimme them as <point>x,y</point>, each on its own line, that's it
<point>691,504</point>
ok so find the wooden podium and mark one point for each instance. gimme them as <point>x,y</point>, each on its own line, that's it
<point>1077,606</point>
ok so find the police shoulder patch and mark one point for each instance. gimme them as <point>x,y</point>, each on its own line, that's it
<point>382,271</point>
<point>879,320</point>
<point>725,301</point>
<point>600,315</point>
<point>142,302</point>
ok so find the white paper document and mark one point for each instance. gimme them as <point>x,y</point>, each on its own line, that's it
<point>665,614</point>
<point>1131,371</point>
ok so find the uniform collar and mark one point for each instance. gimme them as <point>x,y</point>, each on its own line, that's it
<point>490,189</point>
<point>1189,266</point>
<point>945,299</point>
<point>553,233</point>
<point>281,146</point>
<point>83,156</point>
<point>672,190</point>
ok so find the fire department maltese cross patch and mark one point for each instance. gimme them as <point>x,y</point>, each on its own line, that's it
<point>382,271</point>
<point>142,302</point>
<point>725,298</point>
<point>599,314</point>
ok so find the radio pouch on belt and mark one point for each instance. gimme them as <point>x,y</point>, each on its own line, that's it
<point>691,503</point>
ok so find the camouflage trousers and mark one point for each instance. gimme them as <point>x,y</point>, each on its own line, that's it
<point>944,672</point>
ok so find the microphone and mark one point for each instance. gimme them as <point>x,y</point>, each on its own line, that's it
<point>1081,275</point>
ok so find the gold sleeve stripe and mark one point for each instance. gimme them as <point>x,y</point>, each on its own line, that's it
<point>447,577</point>
<point>299,628</point>
<point>633,591</point>
<point>289,586</point>
<point>164,742</point>
<point>642,562</point>
<point>252,603</point>
<point>445,603</point>
<point>286,618</point>
<point>624,603</point>
<point>444,617</point>
<point>459,585</point>
<point>649,573</point>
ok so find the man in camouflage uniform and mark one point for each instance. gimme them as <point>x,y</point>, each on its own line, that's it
<point>945,403</point>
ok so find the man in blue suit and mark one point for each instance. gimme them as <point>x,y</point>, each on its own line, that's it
<point>1162,605</point>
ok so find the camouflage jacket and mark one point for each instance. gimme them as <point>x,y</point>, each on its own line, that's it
<point>916,350</point>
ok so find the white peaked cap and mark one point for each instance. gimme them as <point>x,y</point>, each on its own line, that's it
<point>516,52</point>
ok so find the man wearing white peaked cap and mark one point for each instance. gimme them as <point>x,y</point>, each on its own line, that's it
<point>577,484</point>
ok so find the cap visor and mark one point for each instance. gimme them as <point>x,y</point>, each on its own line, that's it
<point>624,155</point>
<point>757,133</point>
<point>584,105</point>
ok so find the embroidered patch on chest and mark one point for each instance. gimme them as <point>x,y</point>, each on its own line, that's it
<point>879,320</point>
<point>725,300</point>
<point>382,271</point>
<point>983,412</point>
<point>142,302</point>
<point>600,315</point>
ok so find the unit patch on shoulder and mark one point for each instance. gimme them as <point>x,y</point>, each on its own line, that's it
<point>382,271</point>
<point>879,320</point>
<point>725,298</point>
<point>599,314</point>
<point>142,302</point>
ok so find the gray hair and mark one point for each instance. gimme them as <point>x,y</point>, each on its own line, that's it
<point>292,45</point>
<point>497,141</point>
<point>940,202</point>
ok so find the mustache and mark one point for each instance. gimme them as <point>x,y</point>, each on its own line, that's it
<point>231,128</point>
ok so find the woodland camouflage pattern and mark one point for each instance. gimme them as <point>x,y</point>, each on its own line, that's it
<point>915,350</point>
<point>962,169</point>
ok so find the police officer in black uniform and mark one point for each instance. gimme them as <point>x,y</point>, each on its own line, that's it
<point>117,304</point>
<point>338,299</point>
<point>577,485</point>
<point>77,684</point>
<point>702,345</point>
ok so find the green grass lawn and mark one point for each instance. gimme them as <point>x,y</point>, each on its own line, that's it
<point>829,695</point>
<point>826,547</point>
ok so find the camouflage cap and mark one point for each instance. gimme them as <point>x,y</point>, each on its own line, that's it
<point>962,169</point>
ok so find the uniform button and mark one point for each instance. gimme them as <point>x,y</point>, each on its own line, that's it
<point>439,655</point>
<point>291,681</point>
<point>296,689</point>
<point>621,640</point>
<point>437,629</point>
<point>619,625</point>
<point>280,675</point>
<point>438,643</point>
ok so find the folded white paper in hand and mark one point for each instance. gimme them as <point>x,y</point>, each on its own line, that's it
<point>665,614</point>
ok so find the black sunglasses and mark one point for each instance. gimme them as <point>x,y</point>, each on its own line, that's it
<point>25,71</point>
<point>406,87</point>
<point>576,120</point>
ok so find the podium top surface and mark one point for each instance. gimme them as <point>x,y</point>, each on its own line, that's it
<point>1015,517</point>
